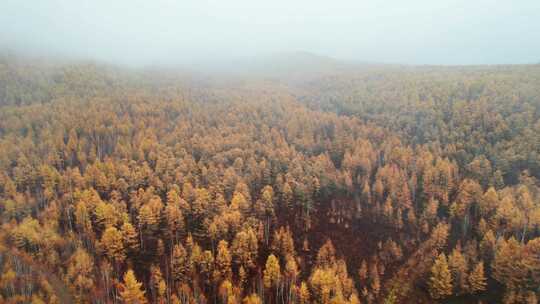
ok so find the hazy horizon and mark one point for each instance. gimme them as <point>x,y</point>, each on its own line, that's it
<point>168,32</point>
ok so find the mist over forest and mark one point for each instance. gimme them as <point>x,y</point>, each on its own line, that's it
<point>166,32</point>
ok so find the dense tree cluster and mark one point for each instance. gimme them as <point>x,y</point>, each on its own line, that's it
<point>385,185</point>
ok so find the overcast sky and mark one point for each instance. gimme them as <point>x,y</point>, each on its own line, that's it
<point>160,31</point>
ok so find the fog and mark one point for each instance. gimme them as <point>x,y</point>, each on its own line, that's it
<point>165,31</point>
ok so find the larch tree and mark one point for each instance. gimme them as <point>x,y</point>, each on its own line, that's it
<point>223,262</point>
<point>179,260</point>
<point>131,239</point>
<point>476,280</point>
<point>506,265</point>
<point>272,277</point>
<point>291,273</point>
<point>326,256</point>
<point>131,291</point>
<point>458,268</point>
<point>363,272</point>
<point>252,299</point>
<point>174,220</point>
<point>80,273</point>
<point>440,281</point>
<point>272,272</point>
<point>112,242</point>
<point>265,209</point>
<point>283,243</point>
<point>304,296</point>
<point>245,248</point>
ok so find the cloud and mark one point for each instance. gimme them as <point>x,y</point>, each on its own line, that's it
<point>162,31</point>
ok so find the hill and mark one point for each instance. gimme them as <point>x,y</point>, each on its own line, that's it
<point>295,179</point>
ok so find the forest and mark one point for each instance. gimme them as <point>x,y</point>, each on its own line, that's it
<point>366,184</point>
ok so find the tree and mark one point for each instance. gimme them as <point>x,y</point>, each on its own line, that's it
<point>82,218</point>
<point>462,208</point>
<point>458,268</point>
<point>532,260</point>
<point>174,220</point>
<point>439,235</point>
<point>440,281</point>
<point>375,280</point>
<point>323,283</point>
<point>326,256</point>
<point>80,273</point>
<point>287,196</point>
<point>488,246</point>
<point>162,290</point>
<point>223,262</point>
<point>206,266</point>
<point>105,215</point>
<point>245,248</point>
<point>113,245</point>
<point>489,201</point>
<point>291,273</point>
<point>131,292</point>
<point>476,279</point>
<point>391,298</point>
<point>156,280</point>
<point>430,213</point>
<point>379,190</point>
<point>363,272</point>
<point>200,204</point>
<point>150,215</point>
<point>265,209</point>
<point>531,298</point>
<point>131,239</point>
<point>272,272</point>
<point>303,294</point>
<point>252,299</point>
<point>239,202</point>
<point>507,264</point>
<point>179,262</point>
<point>531,214</point>
<point>404,196</point>
<point>283,243</point>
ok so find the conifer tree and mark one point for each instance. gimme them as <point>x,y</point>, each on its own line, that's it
<point>131,292</point>
<point>131,238</point>
<point>272,272</point>
<point>252,299</point>
<point>179,262</point>
<point>113,245</point>
<point>440,281</point>
<point>303,294</point>
<point>476,279</point>
<point>245,248</point>
<point>458,268</point>
<point>223,261</point>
